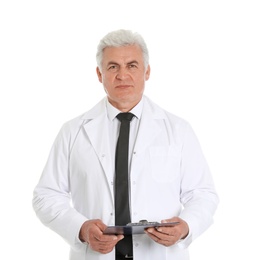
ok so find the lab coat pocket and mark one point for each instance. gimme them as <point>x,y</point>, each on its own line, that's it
<point>165,163</point>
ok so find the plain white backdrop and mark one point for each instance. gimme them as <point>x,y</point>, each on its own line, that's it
<point>201,60</point>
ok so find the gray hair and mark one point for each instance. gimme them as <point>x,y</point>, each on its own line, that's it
<point>122,38</point>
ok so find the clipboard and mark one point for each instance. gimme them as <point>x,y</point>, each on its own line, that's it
<point>136,228</point>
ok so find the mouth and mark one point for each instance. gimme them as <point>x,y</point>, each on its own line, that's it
<point>123,86</point>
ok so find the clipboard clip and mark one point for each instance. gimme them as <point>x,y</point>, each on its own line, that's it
<point>142,222</point>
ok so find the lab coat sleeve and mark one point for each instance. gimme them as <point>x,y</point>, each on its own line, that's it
<point>198,194</point>
<point>51,198</point>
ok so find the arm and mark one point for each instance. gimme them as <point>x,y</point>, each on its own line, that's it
<point>52,197</point>
<point>198,197</point>
<point>198,193</point>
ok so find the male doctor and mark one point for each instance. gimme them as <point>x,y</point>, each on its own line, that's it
<point>168,177</point>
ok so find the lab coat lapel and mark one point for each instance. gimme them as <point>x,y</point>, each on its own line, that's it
<point>149,127</point>
<point>97,131</point>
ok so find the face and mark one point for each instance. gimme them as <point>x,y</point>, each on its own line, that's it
<point>123,76</point>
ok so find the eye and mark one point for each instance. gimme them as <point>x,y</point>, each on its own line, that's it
<point>112,67</point>
<point>132,65</point>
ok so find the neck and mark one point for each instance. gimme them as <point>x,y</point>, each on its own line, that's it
<point>124,106</point>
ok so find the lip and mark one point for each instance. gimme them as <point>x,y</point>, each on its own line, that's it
<point>123,86</point>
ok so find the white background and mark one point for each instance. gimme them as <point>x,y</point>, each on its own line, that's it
<point>202,64</point>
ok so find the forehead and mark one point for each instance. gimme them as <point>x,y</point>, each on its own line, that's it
<point>122,54</point>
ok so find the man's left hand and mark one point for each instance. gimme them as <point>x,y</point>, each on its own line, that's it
<point>169,236</point>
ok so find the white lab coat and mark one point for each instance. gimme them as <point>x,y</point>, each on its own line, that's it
<point>169,177</point>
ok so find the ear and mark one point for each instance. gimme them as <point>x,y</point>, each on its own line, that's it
<point>147,73</point>
<point>99,74</point>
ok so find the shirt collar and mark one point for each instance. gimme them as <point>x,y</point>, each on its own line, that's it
<point>112,111</point>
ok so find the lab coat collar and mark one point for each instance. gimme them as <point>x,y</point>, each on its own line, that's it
<point>150,126</point>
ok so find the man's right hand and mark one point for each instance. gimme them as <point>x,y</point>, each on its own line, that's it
<point>91,232</point>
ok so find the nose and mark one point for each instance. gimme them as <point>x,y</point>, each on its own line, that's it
<point>122,74</point>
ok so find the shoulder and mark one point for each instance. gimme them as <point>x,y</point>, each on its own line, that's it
<point>72,127</point>
<point>160,113</point>
<point>96,111</point>
<point>175,125</point>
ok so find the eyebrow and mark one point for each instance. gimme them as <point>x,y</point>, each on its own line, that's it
<point>116,63</point>
<point>133,61</point>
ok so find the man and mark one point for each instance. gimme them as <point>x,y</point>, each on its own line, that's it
<point>168,177</point>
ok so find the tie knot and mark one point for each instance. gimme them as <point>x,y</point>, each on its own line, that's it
<point>125,116</point>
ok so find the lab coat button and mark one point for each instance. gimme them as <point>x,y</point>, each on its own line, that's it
<point>136,244</point>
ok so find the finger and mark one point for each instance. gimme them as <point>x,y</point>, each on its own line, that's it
<point>161,233</point>
<point>170,231</point>
<point>108,240</point>
<point>161,238</point>
<point>158,240</point>
<point>155,235</point>
<point>106,246</point>
<point>101,237</point>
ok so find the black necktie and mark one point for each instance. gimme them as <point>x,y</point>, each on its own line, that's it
<point>122,212</point>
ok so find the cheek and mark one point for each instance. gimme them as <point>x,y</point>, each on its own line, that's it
<point>107,79</point>
<point>107,84</point>
<point>140,83</point>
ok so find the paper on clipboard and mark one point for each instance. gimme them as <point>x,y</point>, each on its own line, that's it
<point>135,228</point>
